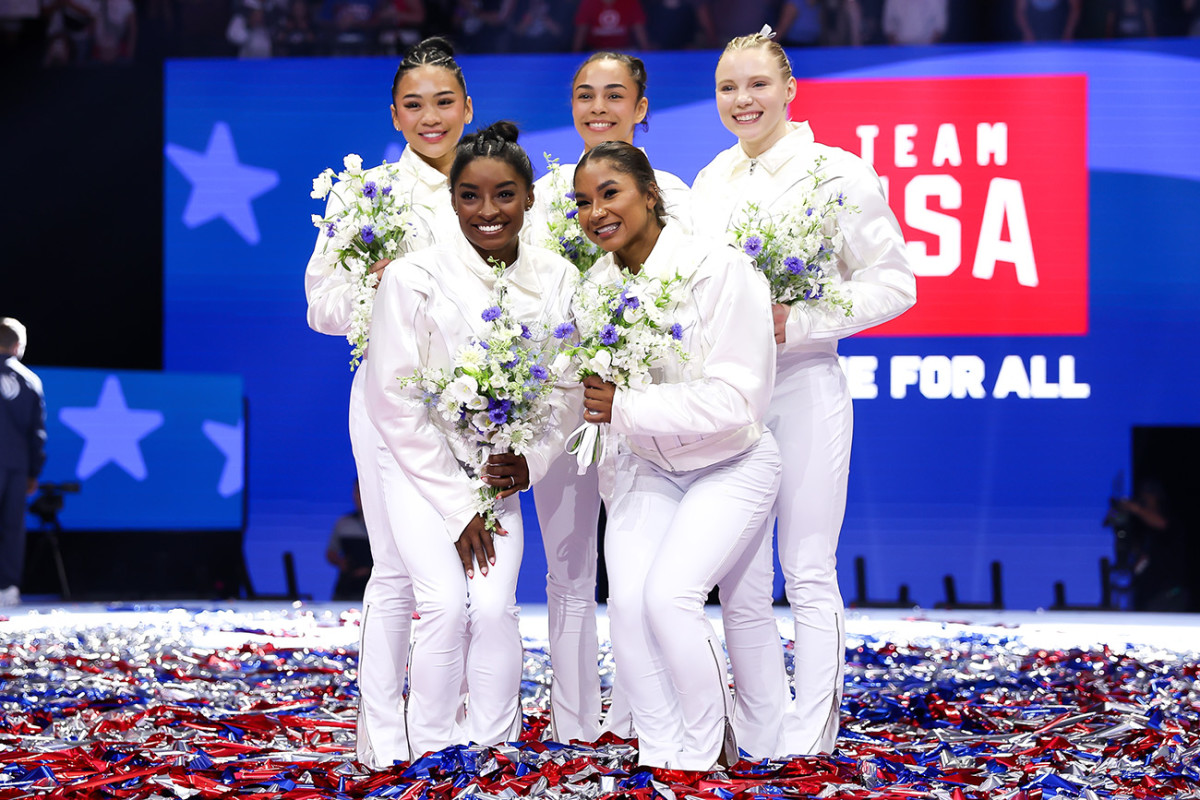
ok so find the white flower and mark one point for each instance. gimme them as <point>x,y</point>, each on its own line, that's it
<point>322,184</point>
<point>599,362</point>
<point>353,163</point>
<point>462,389</point>
<point>471,357</point>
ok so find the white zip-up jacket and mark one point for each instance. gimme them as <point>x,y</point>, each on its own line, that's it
<point>710,407</point>
<point>872,264</point>
<point>428,304</point>
<point>327,286</point>
<point>676,197</point>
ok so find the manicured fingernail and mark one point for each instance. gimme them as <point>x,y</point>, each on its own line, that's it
<point>483,571</point>
<point>470,574</point>
<point>492,561</point>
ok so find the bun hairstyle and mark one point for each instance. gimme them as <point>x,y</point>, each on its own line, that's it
<point>764,40</point>
<point>637,71</point>
<point>499,141</point>
<point>629,160</point>
<point>432,52</point>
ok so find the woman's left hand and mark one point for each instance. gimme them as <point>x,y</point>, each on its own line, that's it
<point>598,399</point>
<point>507,472</point>
<point>780,312</point>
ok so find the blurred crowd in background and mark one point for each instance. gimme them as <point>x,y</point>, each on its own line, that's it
<point>80,32</point>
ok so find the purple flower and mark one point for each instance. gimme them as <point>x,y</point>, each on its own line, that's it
<point>793,265</point>
<point>538,371</point>
<point>368,234</point>
<point>491,314</point>
<point>809,212</point>
<point>676,331</point>
<point>609,335</point>
<point>510,364</point>
<point>485,345</point>
<point>331,229</point>
<point>569,195</point>
<point>498,416</point>
<point>815,293</point>
<point>572,213</point>
<point>564,330</point>
<point>753,246</point>
<point>525,334</point>
<point>370,190</point>
<point>841,198</point>
<point>629,302</point>
<point>386,190</point>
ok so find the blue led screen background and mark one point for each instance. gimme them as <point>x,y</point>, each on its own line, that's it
<point>938,484</point>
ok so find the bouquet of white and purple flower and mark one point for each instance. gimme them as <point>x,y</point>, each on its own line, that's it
<point>624,328</point>
<point>496,398</point>
<point>370,225</point>
<point>564,235</point>
<point>795,249</point>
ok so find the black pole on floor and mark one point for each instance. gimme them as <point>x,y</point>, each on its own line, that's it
<point>1105,583</point>
<point>860,580</point>
<point>951,592</point>
<point>1060,594</point>
<point>289,574</point>
<point>904,599</point>
<point>997,586</point>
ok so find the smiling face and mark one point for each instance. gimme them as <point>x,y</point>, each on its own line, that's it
<point>615,213</point>
<point>490,199</point>
<point>605,104</point>
<point>753,96</point>
<point>430,109</point>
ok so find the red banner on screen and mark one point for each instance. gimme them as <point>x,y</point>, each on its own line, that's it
<point>988,177</point>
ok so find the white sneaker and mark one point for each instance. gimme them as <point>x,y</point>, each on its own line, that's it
<point>10,596</point>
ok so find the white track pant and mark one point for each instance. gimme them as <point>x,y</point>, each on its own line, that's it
<point>388,602</point>
<point>568,509</point>
<point>670,538</point>
<point>448,604</point>
<point>812,418</point>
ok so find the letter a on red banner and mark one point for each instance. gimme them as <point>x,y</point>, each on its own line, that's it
<point>988,178</point>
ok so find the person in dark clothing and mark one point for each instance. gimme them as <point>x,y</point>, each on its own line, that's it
<point>22,453</point>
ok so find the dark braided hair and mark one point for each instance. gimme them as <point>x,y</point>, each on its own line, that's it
<point>499,141</point>
<point>629,160</point>
<point>433,52</point>
<point>636,68</point>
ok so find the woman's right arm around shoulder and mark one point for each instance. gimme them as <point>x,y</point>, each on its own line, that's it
<point>401,329</point>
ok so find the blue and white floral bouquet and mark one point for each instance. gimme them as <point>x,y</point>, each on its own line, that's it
<point>496,397</point>
<point>624,328</point>
<point>370,225</point>
<point>564,235</point>
<point>795,250</point>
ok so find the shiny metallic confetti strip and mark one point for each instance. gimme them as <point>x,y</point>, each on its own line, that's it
<point>203,703</point>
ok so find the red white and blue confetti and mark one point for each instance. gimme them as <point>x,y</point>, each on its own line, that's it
<point>219,703</point>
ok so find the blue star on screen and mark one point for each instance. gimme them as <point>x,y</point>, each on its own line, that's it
<point>112,432</point>
<point>230,440</point>
<point>222,187</point>
<point>151,450</point>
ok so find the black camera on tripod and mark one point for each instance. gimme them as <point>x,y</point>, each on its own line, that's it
<point>50,500</point>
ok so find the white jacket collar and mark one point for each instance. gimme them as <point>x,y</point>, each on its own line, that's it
<point>416,166</point>
<point>522,273</point>
<point>798,137</point>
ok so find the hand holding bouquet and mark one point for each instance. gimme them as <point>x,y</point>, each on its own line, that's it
<point>369,226</point>
<point>795,249</point>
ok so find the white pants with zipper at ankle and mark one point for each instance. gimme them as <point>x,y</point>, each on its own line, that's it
<point>388,602</point>
<point>670,538</point>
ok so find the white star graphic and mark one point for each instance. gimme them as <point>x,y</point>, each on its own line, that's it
<point>221,187</point>
<point>230,440</point>
<point>111,432</point>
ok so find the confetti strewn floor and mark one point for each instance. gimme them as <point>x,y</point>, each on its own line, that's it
<point>213,702</point>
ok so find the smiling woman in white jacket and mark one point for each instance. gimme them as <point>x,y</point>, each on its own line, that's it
<point>429,304</point>
<point>608,103</point>
<point>696,470</point>
<point>430,107</point>
<point>810,412</point>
